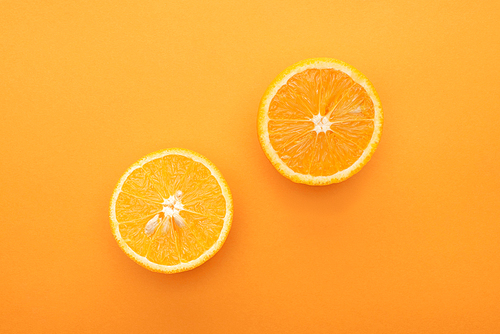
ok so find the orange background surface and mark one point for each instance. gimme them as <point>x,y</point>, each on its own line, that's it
<point>411,244</point>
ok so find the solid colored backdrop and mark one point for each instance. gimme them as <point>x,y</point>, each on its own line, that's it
<point>411,244</point>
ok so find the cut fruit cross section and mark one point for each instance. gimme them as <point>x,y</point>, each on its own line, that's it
<point>320,121</point>
<point>171,211</point>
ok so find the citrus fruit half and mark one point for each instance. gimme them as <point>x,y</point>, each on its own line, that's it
<point>171,211</point>
<point>320,121</point>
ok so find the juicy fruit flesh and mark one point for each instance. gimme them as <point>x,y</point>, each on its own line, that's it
<point>320,122</point>
<point>154,194</point>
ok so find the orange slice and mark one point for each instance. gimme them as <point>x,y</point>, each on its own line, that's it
<point>320,121</point>
<point>171,211</point>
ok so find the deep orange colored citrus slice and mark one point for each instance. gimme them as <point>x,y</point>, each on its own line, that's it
<point>320,121</point>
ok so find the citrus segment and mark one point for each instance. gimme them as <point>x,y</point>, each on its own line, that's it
<point>163,248</point>
<point>140,185</point>
<point>320,121</point>
<point>130,207</point>
<point>171,211</point>
<point>205,228</point>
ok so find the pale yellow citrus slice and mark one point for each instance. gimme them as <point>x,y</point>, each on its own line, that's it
<point>171,211</point>
<point>320,121</point>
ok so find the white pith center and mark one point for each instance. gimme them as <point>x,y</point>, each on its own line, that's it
<point>168,215</point>
<point>172,205</point>
<point>321,123</point>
